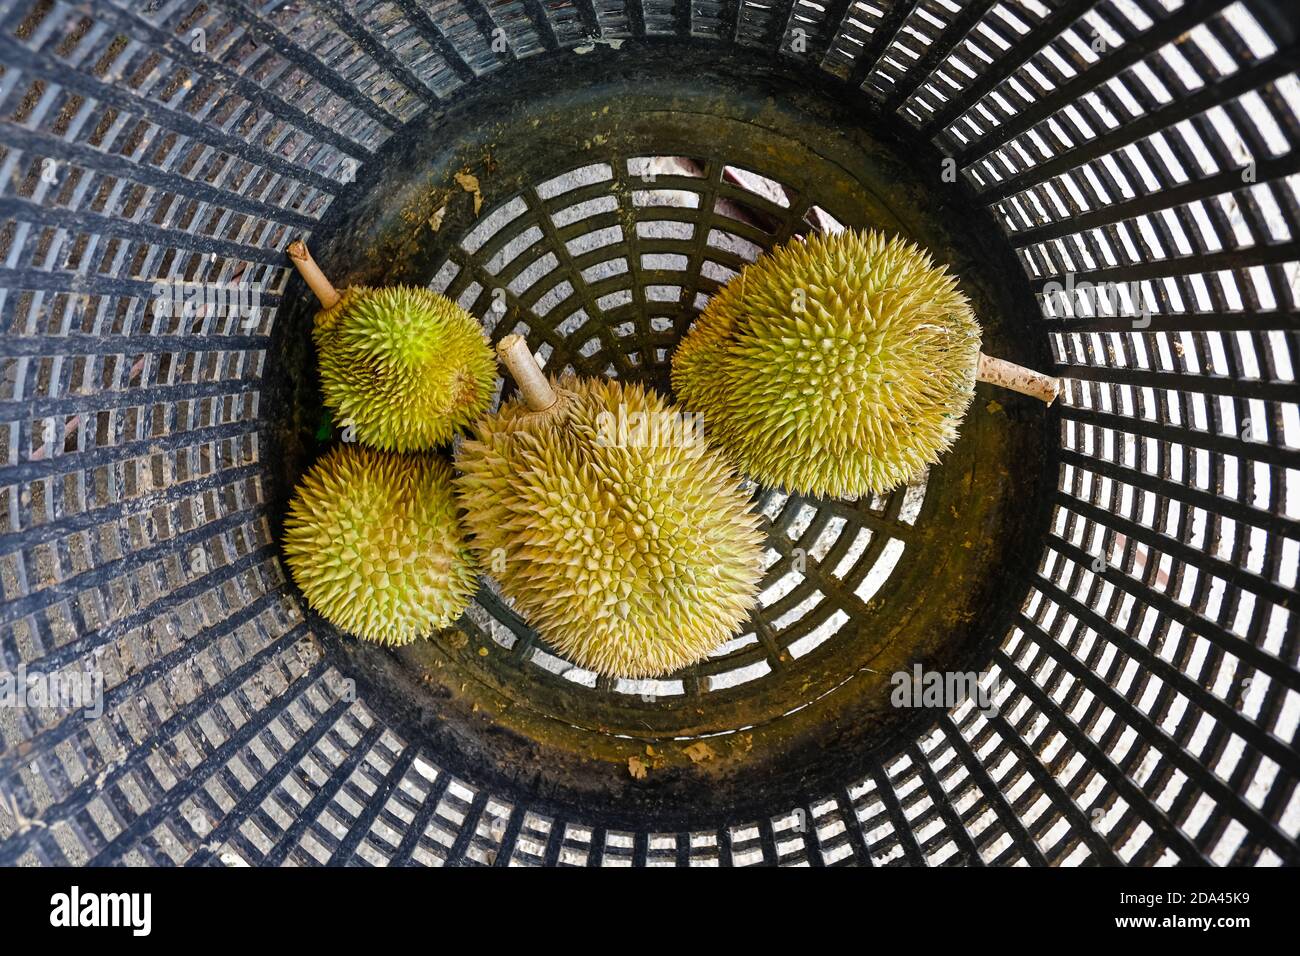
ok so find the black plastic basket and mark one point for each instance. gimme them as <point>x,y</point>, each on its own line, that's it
<point>1122,566</point>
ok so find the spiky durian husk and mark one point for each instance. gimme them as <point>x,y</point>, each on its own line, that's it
<point>632,561</point>
<point>856,394</point>
<point>406,367</point>
<point>374,541</point>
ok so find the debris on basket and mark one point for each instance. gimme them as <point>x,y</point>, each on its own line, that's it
<point>700,752</point>
<point>435,221</point>
<point>637,768</point>
<point>469,182</point>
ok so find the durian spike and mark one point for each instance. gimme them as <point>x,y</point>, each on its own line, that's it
<point>315,279</point>
<point>1026,381</point>
<point>517,357</point>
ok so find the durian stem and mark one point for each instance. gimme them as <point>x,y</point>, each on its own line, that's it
<point>516,356</point>
<point>1026,381</point>
<point>307,268</point>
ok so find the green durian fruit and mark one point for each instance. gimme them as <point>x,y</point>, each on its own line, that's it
<point>374,541</point>
<point>407,367</point>
<point>632,550</point>
<point>403,368</point>
<point>840,365</point>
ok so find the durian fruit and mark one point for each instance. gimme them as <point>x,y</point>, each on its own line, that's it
<point>840,365</point>
<point>632,550</point>
<point>374,541</point>
<point>406,368</point>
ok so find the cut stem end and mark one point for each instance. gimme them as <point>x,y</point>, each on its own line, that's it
<point>311,274</point>
<point>517,357</point>
<point>1026,381</point>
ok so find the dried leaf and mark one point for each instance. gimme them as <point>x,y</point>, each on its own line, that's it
<point>700,752</point>
<point>435,221</point>
<point>469,183</point>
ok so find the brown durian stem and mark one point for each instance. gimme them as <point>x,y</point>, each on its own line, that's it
<point>1026,381</point>
<point>307,268</point>
<point>516,356</point>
